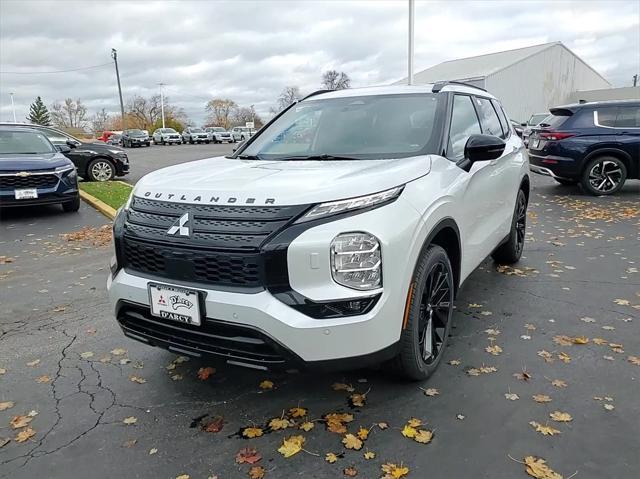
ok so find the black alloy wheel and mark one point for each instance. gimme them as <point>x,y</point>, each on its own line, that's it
<point>436,307</point>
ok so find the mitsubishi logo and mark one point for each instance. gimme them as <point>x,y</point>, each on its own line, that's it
<point>181,226</point>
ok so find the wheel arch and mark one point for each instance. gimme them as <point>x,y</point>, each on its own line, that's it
<point>446,234</point>
<point>623,156</point>
<point>100,157</point>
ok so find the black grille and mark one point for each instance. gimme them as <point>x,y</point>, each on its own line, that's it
<point>223,247</point>
<point>212,338</point>
<point>32,181</point>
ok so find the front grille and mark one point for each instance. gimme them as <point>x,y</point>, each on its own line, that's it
<point>212,338</point>
<point>223,247</point>
<point>33,181</point>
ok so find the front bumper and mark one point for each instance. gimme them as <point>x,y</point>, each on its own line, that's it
<point>65,190</point>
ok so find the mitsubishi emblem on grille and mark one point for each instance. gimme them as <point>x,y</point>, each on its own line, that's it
<point>181,226</point>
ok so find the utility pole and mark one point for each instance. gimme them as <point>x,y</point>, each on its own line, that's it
<point>635,79</point>
<point>412,8</point>
<point>162,102</point>
<point>114,55</point>
<point>13,108</point>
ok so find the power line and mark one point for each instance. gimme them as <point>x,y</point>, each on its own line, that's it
<point>57,71</point>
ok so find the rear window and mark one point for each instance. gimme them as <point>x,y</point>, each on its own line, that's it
<point>556,119</point>
<point>619,117</point>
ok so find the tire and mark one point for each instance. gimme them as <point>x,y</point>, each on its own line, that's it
<point>604,175</point>
<point>71,206</point>
<point>164,143</point>
<point>566,182</point>
<point>101,169</point>
<point>432,279</point>
<point>242,138</point>
<point>191,142</point>
<point>511,250</point>
<point>207,142</point>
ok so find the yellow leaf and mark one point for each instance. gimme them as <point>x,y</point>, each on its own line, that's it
<point>342,387</point>
<point>560,416</point>
<point>369,455</point>
<point>6,405</point>
<point>86,355</point>
<point>541,398</point>
<point>580,340</point>
<point>599,341</point>
<point>392,471</point>
<point>252,432</point>
<point>358,400</point>
<point>536,467</point>
<point>43,379</point>
<point>256,472</point>
<point>266,384</point>
<point>130,420</point>
<point>20,421</point>
<point>564,357</point>
<point>25,434</point>
<point>183,476</point>
<point>488,369</point>
<point>559,383</point>
<point>363,433</point>
<point>409,431</point>
<point>563,340</point>
<point>153,451</point>
<point>118,351</point>
<point>297,412</point>
<point>455,362</point>
<point>352,442</point>
<point>546,430</point>
<point>292,445</point>
<point>330,458</point>
<point>423,436</point>
<point>137,379</point>
<point>494,350</point>
<point>634,360</point>
<point>307,426</point>
<point>278,423</point>
<point>413,422</point>
<point>621,302</point>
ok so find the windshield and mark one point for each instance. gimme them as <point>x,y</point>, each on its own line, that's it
<point>217,128</point>
<point>168,130</point>
<point>135,133</point>
<point>364,127</point>
<point>197,130</point>
<point>24,143</point>
<point>535,119</point>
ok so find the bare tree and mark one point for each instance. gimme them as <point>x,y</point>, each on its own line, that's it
<point>145,111</point>
<point>244,114</point>
<point>71,114</point>
<point>221,111</point>
<point>332,80</point>
<point>289,95</point>
<point>99,121</point>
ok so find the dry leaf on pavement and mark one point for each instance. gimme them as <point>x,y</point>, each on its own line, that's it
<point>350,471</point>
<point>560,416</point>
<point>634,360</point>
<point>18,422</point>
<point>130,420</point>
<point>86,355</point>
<point>25,434</point>
<point>393,471</point>
<point>137,379</point>
<point>430,392</point>
<point>215,424</point>
<point>511,396</point>
<point>278,423</point>
<point>256,472</point>
<point>363,433</point>
<point>330,457</point>
<point>248,455</point>
<point>352,442</point>
<point>33,363</point>
<point>297,412</point>
<point>369,455</point>
<point>307,426</point>
<point>537,467</point>
<point>559,383</point>
<point>43,379</point>
<point>423,436</point>
<point>252,432</point>
<point>292,445</point>
<point>343,387</point>
<point>546,430</point>
<point>6,405</point>
<point>358,400</point>
<point>541,398</point>
<point>118,352</point>
<point>494,350</point>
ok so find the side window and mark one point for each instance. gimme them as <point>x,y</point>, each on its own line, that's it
<point>489,118</point>
<point>504,121</point>
<point>607,116</point>
<point>54,136</point>
<point>628,117</point>
<point>464,123</point>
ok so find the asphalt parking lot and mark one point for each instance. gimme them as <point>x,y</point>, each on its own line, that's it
<point>566,320</point>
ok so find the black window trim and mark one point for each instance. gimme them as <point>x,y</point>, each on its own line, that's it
<point>502,116</point>
<point>478,114</point>
<point>445,142</point>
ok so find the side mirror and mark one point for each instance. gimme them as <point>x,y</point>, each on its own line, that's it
<point>72,144</point>
<point>481,148</point>
<point>63,148</point>
<point>523,124</point>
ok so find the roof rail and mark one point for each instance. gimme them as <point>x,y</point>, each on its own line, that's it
<point>317,92</point>
<point>438,86</point>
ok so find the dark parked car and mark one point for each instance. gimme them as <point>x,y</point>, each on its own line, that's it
<point>35,172</point>
<point>115,139</point>
<point>594,144</point>
<point>94,161</point>
<point>517,127</point>
<point>135,137</point>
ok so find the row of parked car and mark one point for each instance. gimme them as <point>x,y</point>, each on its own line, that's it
<point>169,136</point>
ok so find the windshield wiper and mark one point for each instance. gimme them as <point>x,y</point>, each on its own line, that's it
<point>318,158</point>
<point>249,157</point>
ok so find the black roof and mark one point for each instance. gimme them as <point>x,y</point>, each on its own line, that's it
<point>577,106</point>
<point>10,127</point>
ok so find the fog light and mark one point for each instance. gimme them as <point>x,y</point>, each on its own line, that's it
<point>356,261</point>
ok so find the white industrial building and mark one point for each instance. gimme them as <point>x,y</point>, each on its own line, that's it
<point>526,80</point>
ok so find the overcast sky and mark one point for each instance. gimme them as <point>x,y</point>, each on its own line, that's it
<point>249,51</point>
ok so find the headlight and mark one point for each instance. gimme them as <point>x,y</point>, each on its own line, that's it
<point>128,203</point>
<point>356,261</point>
<point>116,152</point>
<point>335,207</point>
<point>64,169</point>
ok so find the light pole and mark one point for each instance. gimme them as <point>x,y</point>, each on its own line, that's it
<point>162,102</point>
<point>13,107</point>
<point>114,55</point>
<point>410,60</point>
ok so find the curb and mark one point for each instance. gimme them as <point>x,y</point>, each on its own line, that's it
<point>101,206</point>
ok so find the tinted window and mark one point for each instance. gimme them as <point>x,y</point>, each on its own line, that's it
<point>504,121</point>
<point>536,119</point>
<point>554,120</point>
<point>464,123</point>
<point>628,117</point>
<point>54,136</point>
<point>489,118</point>
<point>607,116</point>
<point>23,143</point>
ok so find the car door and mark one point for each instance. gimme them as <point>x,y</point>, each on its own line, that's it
<point>628,126</point>
<point>58,138</point>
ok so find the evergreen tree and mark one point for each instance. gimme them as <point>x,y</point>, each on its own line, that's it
<point>38,113</point>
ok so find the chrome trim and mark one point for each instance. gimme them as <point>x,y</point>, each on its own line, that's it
<point>597,123</point>
<point>17,174</point>
<point>541,170</point>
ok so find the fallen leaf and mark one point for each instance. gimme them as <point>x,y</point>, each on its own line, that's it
<point>414,422</point>
<point>3,371</point>
<point>363,433</point>
<point>6,405</point>
<point>204,373</point>
<point>622,302</point>
<point>460,417</point>
<point>249,455</point>
<point>431,392</point>
<point>393,471</point>
<point>330,457</point>
<point>608,328</point>
<point>580,340</point>
<point>59,309</point>
<point>634,360</point>
<point>130,443</point>
<point>277,424</point>
<point>214,424</point>
<point>358,400</point>
<point>86,355</point>
<point>342,387</point>
<point>609,407</point>
<point>492,331</point>
<point>4,441</point>
<point>266,384</point>
<point>33,363</point>
<point>352,442</point>
<point>256,472</point>
<point>350,471</point>
<point>475,305</point>
<point>559,383</point>
<point>183,476</point>
<point>536,467</point>
<point>409,431</point>
<point>494,350</point>
<point>369,455</point>
<point>588,320</point>
<point>541,398</point>
<point>18,422</point>
<point>180,359</point>
<point>130,420</point>
<point>523,376</point>
<point>252,432</point>
<point>137,379</point>
<point>546,430</point>
<point>455,362</point>
<point>423,436</point>
<point>176,377</point>
<point>546,355</point>
<point>297,412</point>
<point>560,416</point>
<point>564,357</point>
<point>383,425</point>
<point>25,434</point>
<point>511,396</point>
<point>118,352</point>
<point>152,451</point>
<point>292,445</point>
<point>43,379</point>
<point>124,361</point>
<point>563,340</point>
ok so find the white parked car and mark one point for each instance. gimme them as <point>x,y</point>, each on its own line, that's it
<point>194,134</point>
<point>217,134</point>
<point>340,235</point>
<point>241,133</point>
<point>166,136</point>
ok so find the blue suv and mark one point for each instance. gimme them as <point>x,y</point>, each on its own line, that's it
<point>594,144</point>
<point>34,172</point>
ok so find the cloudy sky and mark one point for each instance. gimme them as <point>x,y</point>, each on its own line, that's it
<point>249,51</point>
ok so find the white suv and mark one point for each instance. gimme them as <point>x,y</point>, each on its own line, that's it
<point>339,234</point>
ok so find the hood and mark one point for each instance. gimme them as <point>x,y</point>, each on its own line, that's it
<point>46,161</point>
<point>86,146</point>
<point>232,181</point>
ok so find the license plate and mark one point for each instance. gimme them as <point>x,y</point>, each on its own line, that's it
<point>535,143</point>
<point>26,194</point>
<point>177,304</point>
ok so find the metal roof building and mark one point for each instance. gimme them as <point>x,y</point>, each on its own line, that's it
<point>527,80</point>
